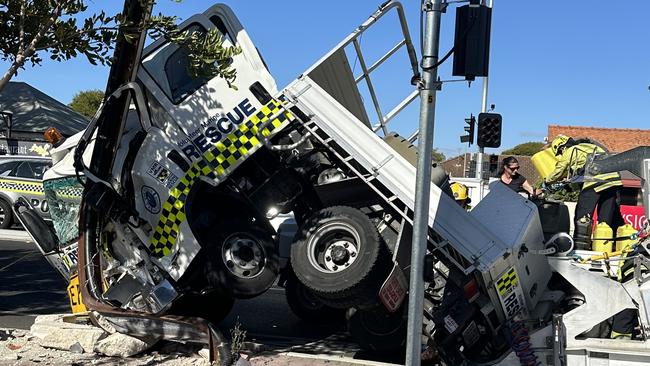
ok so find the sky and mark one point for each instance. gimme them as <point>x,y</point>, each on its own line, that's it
<point>584,63</point>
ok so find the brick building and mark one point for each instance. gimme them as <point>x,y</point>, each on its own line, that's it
<point>615,139</point>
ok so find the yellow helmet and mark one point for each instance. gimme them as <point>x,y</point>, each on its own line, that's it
<point>557,142</point>
<point>459,190</point>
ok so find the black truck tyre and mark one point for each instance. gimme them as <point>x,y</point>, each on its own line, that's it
<point>377,329</point>
<point>244,262</point>
<point>309,307</point>
<point>6,215</point>
<point>340,256</point>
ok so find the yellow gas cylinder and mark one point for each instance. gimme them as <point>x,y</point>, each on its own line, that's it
<point>625,230</point>
<point>544,162</point>
<point>602,238</point>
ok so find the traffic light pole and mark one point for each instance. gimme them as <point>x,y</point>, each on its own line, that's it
<point>433,11</point>
<point>479,158</point>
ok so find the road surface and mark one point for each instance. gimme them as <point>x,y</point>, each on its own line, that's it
<point>29,286</point>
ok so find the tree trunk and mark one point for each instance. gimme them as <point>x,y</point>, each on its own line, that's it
<point>25,54</point>
<point>10,73</point>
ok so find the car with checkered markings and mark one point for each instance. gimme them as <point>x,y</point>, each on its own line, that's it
<point>22,176</point>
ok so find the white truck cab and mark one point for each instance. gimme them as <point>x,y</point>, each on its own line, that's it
<point>201,168</point>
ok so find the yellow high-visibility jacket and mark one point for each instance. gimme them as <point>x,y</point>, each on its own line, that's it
<point>573,159</point>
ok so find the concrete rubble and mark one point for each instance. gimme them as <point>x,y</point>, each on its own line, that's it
<point>122,345</point>
<point>18,348</point>
<point>54,341</point>
<point>53,332</point>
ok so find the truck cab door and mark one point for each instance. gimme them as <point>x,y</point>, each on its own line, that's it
<point>188,117</point>
<point>226,21</point>
<point>204,108</point>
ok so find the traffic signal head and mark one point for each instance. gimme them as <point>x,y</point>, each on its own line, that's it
<point>469,138</point>
<point>472,41</point>
<point>494,163</point>
<point>489,130</point>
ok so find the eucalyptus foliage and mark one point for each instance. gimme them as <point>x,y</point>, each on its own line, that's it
<point>59,29</point>
<point>87,102</point>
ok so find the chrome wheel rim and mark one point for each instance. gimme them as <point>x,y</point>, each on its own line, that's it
<point>333,247</point>
<point>243,255</point>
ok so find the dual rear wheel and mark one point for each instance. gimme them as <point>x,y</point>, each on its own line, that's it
<point>340,258</point>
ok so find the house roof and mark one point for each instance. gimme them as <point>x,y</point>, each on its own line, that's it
<point>615,139</point>
<point>35,111</point>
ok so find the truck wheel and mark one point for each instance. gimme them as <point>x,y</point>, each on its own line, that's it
<point>307,306</point>
<point>6,215</point>
<point>339,255</point>
<point>244,262</point>
<point>378,330</point>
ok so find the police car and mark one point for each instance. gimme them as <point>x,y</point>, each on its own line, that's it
<point>22,176</point>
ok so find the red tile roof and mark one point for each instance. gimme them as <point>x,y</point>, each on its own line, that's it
<point>616,139</point>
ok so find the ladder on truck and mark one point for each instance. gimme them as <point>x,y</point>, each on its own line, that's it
<point>328,95</point>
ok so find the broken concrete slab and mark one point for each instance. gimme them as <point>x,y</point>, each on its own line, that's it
<point>46,324</point>
<point>121,345</point>
<point>204,353</point>
<point>53,332</point>
<point>242,362</point>
<point>9,357</point>
<point>65,339</point>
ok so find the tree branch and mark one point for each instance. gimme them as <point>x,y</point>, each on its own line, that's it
<point>21,27</point>
<point>29,51</point>
<point>20,59</point>
<point>80,32</point>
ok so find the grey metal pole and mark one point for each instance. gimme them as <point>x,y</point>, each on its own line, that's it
<point>479,168</point>
<point>479,158</point>
<point>433,10</point>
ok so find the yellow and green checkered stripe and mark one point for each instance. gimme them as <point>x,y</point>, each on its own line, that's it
<point>507,281</point>
<point>21,186</point>
<point>219,160</point>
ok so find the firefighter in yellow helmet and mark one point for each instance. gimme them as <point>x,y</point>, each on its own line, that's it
<point>572,157</point>
<point>598,191</point>
<point>461,195</point>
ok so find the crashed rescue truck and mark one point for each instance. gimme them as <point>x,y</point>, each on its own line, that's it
<point>181,216</point>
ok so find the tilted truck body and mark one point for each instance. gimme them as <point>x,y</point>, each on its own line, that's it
<point>203,169</point>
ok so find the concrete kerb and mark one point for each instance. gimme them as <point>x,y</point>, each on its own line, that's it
<point>263,354</point>
<point>330,359</point>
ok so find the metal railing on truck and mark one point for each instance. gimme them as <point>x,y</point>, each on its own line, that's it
<point>328,95</point>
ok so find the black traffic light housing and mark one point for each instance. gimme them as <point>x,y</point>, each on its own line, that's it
<point>494,163</point>
<point>489,130</point>
<point>472,40</point>
<point>469,138</point>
